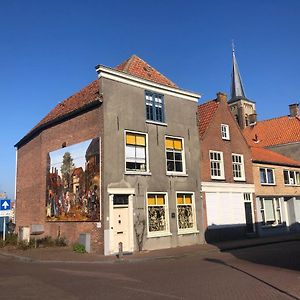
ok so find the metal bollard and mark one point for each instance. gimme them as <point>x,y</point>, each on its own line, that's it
<point>120,254</point>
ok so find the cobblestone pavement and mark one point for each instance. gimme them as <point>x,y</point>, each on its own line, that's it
<point>262,272</point>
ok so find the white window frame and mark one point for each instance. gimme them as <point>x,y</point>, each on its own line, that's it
<point>194,228</point>
<point>276,209</point>
<point>166,232</point>
<point>221,162</point>
<point>290,177</point>
<point>155,100</point>
<point>241,165</point>
<point>265,171</point>
<point>147,170</point>
<point>183,172</point>
<point>225,132</point>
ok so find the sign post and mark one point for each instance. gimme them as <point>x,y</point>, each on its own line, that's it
<point>5,207</point>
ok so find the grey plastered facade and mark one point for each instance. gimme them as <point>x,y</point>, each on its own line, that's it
<point>124,110</point>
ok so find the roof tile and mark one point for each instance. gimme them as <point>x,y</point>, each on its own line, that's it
<point>137,67</point>
<point>270,157</point>
<point>206,111</point>
<point>277,131</point>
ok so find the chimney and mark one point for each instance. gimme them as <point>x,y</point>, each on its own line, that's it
<point>221,97</point>
<point>294,110</point>
<point>252,119</point>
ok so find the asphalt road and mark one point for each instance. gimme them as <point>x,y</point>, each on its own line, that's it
<point>265,272</point>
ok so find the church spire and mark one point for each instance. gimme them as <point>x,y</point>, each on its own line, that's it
<point>237,88</point>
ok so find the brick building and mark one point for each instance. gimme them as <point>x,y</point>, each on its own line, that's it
<point>115,161</point>
<point>277,188</point>
<point>226,173</point>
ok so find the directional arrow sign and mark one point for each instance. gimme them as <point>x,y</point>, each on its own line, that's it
<point>5,204</point>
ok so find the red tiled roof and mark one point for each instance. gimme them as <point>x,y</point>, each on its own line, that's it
<point>277,131</point>
<point>89,94</point>
<point>206,112</point>
<point>137,67</point>
<point>85,96</point>
<point>263,155</point>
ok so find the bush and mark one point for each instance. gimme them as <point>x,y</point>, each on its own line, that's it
<point>46,241</point>
<point>79,248</point>
<point>23,245</point>
<point>11,239</point>
<point>60,242</point>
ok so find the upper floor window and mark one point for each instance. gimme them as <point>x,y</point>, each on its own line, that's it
<point>238,167</point>
<point>267,176</point>
<point>225,132</point>
<point>291,177</point>
<point>175,155</point>
<point>246,120</point>
<point>135,152</point>
<point>154,107</point>
<point>216,165</point>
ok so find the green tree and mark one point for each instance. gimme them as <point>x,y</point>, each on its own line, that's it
<point>66,169</point>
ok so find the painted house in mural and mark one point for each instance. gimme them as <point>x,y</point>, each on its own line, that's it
<point>277,187</point>
<point>226,173</point>
<point>115,160</point>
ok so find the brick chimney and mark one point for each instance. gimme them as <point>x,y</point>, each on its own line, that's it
<point>294,109</point>
<point>221,97</point>
<point>252,119</point>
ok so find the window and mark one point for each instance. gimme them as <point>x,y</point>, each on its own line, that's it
<point>185,212</point>
<point>216,165</point>
<point>270,209</point>
<point>135,152</point>
<point>291,177</point>
<point>238,167</point>
<point>267,176</point>
<point>154,107</point>
<point>246,120</point>
<point>175,155</point>
<point>157,214</point>
<point>225,132</point>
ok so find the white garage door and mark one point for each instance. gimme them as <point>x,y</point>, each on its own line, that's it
<point>225,209</point>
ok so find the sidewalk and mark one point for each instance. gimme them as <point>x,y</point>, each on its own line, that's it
<point>66,254</point>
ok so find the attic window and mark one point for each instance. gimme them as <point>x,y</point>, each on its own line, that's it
<point>64,144</point>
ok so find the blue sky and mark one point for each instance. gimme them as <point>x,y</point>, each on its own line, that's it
<point>49,50</point>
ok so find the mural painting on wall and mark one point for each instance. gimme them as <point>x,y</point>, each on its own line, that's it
<point>73,178</point>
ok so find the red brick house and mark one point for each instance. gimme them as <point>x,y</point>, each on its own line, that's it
<point>226,173</point>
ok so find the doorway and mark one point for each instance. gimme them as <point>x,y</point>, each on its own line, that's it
<point>250,226</point>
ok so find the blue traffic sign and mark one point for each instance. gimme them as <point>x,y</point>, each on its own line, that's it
<point>5,204</point>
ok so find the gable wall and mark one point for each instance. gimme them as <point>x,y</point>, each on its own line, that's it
<point>212,140</point>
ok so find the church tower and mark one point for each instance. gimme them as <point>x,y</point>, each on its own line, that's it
<point>241,107</point>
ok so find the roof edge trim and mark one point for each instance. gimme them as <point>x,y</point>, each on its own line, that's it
<point>70,115</point>
<point>274,163</point>
<point>123,77</point>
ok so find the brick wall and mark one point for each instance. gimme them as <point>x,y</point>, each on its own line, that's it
<point>279,189</point>
<point>32,171</point>
<point>212,140</point>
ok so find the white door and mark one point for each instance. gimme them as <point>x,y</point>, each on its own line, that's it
<point>121,223</point>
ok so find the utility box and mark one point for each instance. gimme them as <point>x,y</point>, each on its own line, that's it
<point>24,233</point>
<point>85,240</point>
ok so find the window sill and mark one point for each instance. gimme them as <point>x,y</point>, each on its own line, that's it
<point>239,179</point>
<point>156,123</point>
<point>177,174</point>
<point>191,231</point>
<point>225,139</point>
<point>157,235</point>
<point>292,185</point>
<point>270,184</point>
<point>217,178</point>
<point>138,173</point>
